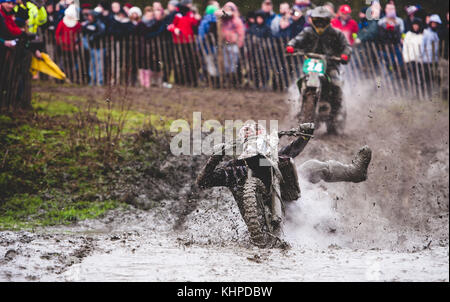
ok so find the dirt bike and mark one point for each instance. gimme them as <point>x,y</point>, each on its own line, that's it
<point>262,208</point>
<point>315,106</point>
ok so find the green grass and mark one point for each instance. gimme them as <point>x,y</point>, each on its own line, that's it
<point>67,105</point>
<point>52,171</point>
<point>25,211</point>
<point>54,108</point>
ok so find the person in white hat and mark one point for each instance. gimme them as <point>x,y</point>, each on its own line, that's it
<point>70,16</point>
<point>430,38</point>
<point>135,15</point>
<point>430,47</point>
<point>411,11</point>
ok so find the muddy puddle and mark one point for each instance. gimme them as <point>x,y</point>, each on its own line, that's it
<point>161,258</point>
<point>212,245</point>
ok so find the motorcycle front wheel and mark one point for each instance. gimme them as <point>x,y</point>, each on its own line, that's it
<point>308,108</point>
<point>253,215</point>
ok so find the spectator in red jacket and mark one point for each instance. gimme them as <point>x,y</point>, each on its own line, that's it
<point>66,35</point>
<point>183,29</point>
<point>183,25</point>
<point>345,23</point>
<point>68,29</point>
<point>8,28</point>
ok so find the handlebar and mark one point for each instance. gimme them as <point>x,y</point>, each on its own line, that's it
<point>315,56</point>
<point>301,130</point>
<point>296,132</point>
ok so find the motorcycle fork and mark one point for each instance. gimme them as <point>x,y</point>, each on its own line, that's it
<point>302,86</point>
<point>267,211</point>
<point>276,200</point>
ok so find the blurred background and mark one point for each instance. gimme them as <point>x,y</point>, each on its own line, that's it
<point>435,6</point>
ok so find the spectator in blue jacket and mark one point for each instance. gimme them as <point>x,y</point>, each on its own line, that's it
<point>260,28</point>
<point>430,45</point>
<point>298,22</point>
<point>368,24</point>
<point>93,29</point>
<point>430,48</point>
<point>269,15</point>
<point>285,12</point>
<point>208,23</point>
<point>285,30</point>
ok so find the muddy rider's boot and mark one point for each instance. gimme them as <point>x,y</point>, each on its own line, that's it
<point>355,172</point>
<point>334,171</point>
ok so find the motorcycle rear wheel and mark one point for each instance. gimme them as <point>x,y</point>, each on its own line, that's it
<point>336,124</point>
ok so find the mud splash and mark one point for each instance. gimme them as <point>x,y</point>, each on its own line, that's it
<point>404,205</point>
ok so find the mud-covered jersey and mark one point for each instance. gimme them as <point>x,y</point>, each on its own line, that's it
<point>331,43</point>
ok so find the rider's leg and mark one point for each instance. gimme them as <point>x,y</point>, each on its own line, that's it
<point>335,124</point>
<point>334,171</point>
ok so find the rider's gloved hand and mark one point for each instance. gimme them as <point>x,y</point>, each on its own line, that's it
<point>307,127</point>
<point>344,58</point>
<point>290,49</point>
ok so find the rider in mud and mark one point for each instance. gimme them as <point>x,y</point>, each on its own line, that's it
<point>233,173</point>
<point>321,38</point>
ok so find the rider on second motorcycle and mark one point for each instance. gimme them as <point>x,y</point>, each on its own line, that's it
<point>321,38</point>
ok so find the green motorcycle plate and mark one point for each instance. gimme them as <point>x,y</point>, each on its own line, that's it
<point>314,65</point>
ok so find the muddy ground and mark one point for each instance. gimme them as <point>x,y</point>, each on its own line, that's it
<point>393,227</point>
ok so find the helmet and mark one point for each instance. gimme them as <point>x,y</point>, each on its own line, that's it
<point>256,141</point>
<point>321,12</point>
<point>251,128</point>
<point>320,18</point>
<point>345,9</point>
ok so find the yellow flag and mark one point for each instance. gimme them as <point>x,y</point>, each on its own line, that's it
<point>47,66</point>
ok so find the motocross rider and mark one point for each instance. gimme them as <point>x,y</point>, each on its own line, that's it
<point>233,173</point>
<point>321,38</point>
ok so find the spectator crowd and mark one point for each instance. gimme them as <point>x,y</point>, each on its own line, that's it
<point>181,20</point>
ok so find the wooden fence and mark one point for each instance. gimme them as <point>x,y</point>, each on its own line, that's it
<point>15,78</point>
<point>394,70</point>
<point>259,64</point>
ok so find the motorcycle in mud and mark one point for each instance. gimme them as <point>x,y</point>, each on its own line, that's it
<point>262,204</point>
<point>315,98</point>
